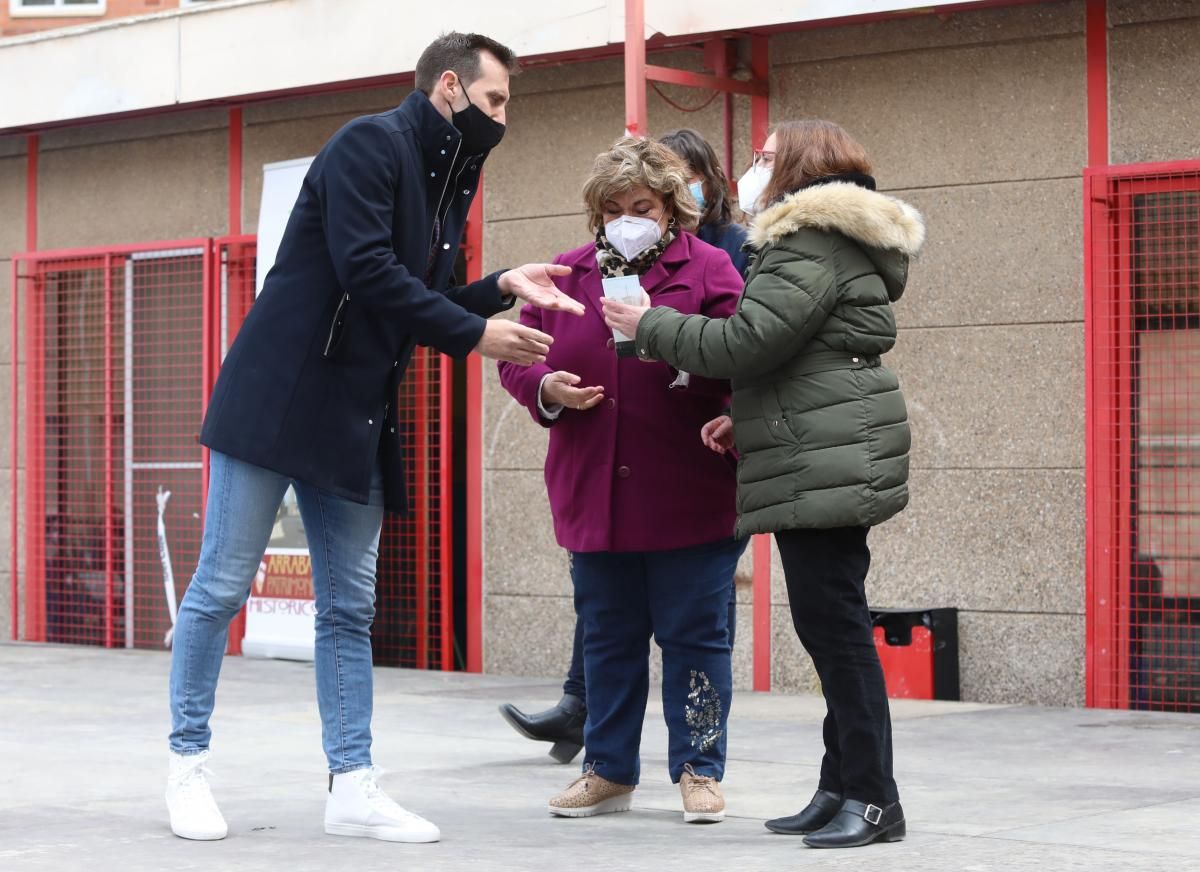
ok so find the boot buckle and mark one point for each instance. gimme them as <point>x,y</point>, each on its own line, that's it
<point>873,815</point>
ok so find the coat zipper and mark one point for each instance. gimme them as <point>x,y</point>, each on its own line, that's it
<point>442,198</point>
<point>333,325</point>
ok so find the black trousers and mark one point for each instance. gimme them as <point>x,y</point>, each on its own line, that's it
<point>825,572</point>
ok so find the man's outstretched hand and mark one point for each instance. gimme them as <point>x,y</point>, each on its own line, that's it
<point>514,342</point>
<point>534,284</point>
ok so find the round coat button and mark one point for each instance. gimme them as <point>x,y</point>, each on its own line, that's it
<point>612,404</point>
<point>623,471</point>
<point>611,343</point>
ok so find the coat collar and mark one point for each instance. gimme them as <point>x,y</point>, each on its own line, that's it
<point>433,132</point>
<point>868,217</point>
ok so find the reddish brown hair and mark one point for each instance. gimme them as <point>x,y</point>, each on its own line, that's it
<point>809,150</point>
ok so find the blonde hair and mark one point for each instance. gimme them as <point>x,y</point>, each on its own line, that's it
<point>632,163</point>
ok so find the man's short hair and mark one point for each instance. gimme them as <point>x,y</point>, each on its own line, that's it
<point>459,52</point>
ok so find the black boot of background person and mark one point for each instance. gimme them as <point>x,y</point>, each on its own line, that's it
<point>819,811</point>
<point>857,824</point>
<point>562,725</point>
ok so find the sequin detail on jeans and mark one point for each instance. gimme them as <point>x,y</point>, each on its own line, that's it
<point>703,712</point>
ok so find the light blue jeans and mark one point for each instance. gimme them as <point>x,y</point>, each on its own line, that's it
<point>343,538</point>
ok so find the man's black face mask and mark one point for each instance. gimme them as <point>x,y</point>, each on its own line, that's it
<point>479,132</point>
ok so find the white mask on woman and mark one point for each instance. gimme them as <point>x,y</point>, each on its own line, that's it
<point>751,187</point>
<point>631,235</point>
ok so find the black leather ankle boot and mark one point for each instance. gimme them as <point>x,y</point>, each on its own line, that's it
<point>819,811</point>
<point>859,823</point>
<point>562,725</point>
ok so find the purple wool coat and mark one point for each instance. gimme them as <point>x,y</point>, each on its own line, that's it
<point>631,473</point>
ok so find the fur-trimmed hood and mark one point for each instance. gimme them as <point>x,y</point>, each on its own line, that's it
<point>889,230</point>
<point>873,219</point>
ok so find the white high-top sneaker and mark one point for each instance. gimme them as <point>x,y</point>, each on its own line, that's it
<point>357,806</point>
<point>194,812</point>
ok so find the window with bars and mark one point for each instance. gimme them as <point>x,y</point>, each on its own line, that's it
<point>40,8</point>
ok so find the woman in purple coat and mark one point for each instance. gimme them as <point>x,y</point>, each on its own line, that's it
<point>644,509</point>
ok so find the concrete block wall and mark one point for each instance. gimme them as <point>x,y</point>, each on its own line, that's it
<point>976,118</point>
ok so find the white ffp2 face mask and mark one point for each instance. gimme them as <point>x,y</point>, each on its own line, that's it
<point>631,235</point>
<point>751,187</point>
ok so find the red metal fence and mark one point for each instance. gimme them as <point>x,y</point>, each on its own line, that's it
<point>1143,430</point>
<point>115,352</point>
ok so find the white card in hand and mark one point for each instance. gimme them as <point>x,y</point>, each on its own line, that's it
<point>624,289</point>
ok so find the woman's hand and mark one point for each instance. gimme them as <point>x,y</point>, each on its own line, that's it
<point>559,390</point>
<point>623,317</point>
<point>717,434</point>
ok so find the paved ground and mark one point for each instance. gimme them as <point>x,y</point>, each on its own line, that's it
<point>985,787</point>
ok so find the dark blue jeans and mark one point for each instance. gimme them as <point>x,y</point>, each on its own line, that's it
<point>575,683</point>
<point>681,598</point>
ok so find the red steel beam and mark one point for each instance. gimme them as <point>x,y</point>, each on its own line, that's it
<point>754,88</point>
<point>636,123</point>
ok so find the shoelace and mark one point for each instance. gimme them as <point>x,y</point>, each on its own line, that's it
<point>588,773</point>
<point>194,779</point>
<point>376,796</point>
<point>701,782</point>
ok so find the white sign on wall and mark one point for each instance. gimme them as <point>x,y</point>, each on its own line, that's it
<point>281,187</point>
<point>281,611</point>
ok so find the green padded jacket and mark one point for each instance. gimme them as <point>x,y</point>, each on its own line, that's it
<point>820,424</point>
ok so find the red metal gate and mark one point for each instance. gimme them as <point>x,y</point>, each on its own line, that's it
<point>1143,436</point>
<point>115,351</point>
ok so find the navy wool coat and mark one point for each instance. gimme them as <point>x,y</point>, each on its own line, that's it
<point>308,389</point>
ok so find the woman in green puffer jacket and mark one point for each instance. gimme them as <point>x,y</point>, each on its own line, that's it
<point>821,429</point>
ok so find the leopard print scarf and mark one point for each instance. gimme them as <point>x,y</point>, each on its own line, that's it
<point>612,263</point>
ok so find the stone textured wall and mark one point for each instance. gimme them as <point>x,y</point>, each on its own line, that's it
<point>979,120</point>
<point>976,118</point>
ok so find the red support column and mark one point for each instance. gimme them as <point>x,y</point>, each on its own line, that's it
<point>760,108</point>
<point>445,475</point>
<point>1097,82</point>
<point>14,425</point>
<point>474,640</point>
<point>110,508</point>
<point>762,612</point>
<point>35,464</point>
<point>235,171</point>
<point>760,105</point>
<point>31,192</point>
<point>636,123</point>
<point>419,373</point>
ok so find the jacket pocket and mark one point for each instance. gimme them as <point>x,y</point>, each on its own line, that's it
<point>337,328</point>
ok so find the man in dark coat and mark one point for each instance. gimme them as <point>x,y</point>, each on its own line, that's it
<point>306,399</point>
